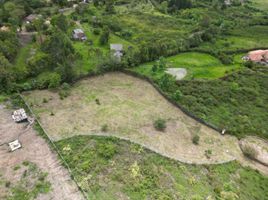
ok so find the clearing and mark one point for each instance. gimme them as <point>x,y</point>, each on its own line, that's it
<point>126,106</point>
<point>33,161</point>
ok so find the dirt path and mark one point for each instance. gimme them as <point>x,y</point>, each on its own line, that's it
<point>129,106</point>
<point>36,150</point>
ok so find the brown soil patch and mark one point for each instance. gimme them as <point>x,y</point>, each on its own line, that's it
<point>36,150</point>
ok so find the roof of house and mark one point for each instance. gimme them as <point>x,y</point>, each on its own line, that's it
<point>116,47</point>
<point>78,30</point>
<point>31,17</point>
<point>258,55</point>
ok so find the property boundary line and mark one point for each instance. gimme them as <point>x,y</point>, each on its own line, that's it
<point>54,147</point>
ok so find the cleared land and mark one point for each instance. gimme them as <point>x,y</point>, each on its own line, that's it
<point>128,107</point>
<point>33,170</point>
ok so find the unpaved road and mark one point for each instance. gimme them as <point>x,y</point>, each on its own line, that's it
<point>36,150</point>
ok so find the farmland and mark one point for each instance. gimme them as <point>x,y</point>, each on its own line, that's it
<point>134,99</point>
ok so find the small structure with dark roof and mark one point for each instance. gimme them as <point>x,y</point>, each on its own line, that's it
<point>78,34</point>
<point>117,50</point>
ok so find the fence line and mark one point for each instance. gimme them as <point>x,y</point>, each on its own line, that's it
<point>111,135</point>
<point>54,146</point>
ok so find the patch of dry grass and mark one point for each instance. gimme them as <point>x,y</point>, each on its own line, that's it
<point>129,107</point>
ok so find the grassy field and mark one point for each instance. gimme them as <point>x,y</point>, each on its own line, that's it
<point>108,168</point>
<point>261,4</point>
<point>248,37</point>
<point>128,107</point>
<point>198,65</point>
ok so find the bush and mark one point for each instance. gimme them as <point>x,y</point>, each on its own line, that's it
<point>249,151</point>
<point>106,150</point>
<point>104,128</point>
<point>96,31</point>
<point>48,80</point>
<point>196,139</point>
<point>160,124</point>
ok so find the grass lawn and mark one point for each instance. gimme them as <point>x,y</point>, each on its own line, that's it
<point>198,65</point>
<point>109,168</point>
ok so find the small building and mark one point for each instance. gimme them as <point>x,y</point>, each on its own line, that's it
<point>117,51</point>
<point>78,34</point>
<point>19,115</point>
<point>30,18</point>
<point>258,56</point>
<point>14,145</point>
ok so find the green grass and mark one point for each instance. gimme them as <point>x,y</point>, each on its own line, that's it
<point>198,65</point>
<point>20,64</point>
<point>261,4</point>
<point>89,58</point>
<point>109,168</point>
<point>240,38</point>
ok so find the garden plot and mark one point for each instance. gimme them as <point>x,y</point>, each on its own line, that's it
<point>123,106</point>
<point>32,170</point>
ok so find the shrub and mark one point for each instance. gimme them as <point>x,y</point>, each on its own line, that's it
<point>196,139</point>
<point>249,151</point>
<point>48,80</point>
<point>96,31</point>
<point>208,153</point>
<point>160,124</point>
<point>104,128</point>
<point>106,150</point>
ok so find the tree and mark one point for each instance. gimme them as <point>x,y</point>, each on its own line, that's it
<point>60,22</point>
<point>5,75</point>
<point>58,47</point>
<point>104,38</point>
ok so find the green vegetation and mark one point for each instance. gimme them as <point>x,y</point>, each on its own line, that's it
<point>109,168</point>
<point>32,182</point>
<point>198,65</point>
<point>160,124</point>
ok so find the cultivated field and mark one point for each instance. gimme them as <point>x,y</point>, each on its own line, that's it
<point>32,172</point>
<point>128,107</point>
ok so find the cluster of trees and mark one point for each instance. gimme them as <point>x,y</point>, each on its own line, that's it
<point>8,50</point>
<point>173,6</point>
<point>14,11</point>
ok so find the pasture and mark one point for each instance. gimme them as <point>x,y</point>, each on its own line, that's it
<point>127,107</point>
<point>198,66</point>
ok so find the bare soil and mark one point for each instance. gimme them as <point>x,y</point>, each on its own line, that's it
<point>36,150</point>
